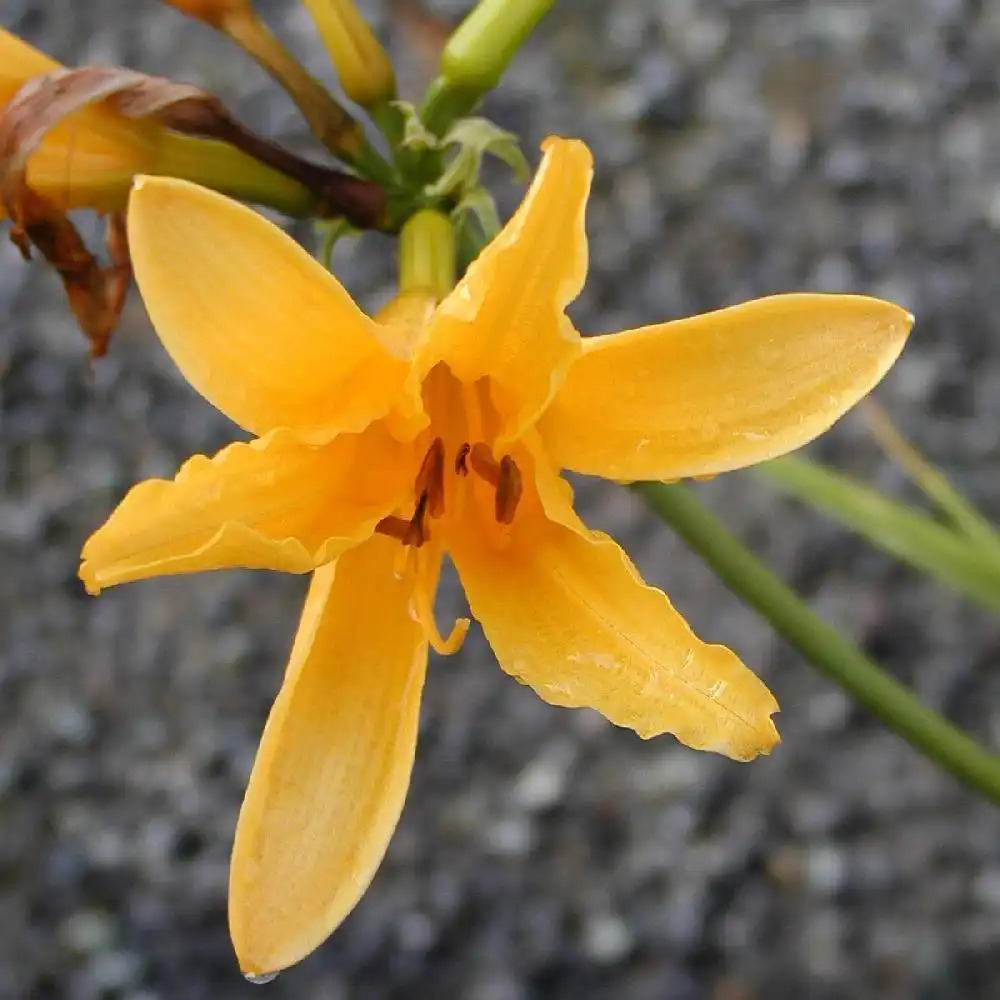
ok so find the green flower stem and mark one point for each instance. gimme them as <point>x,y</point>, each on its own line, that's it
<point>889,700</point>
<point>427,254</point>
<point>446,101</point>
<point>369,163</point>
<point>330,123</point>
<point>224,168</point>
<point>476,56</point>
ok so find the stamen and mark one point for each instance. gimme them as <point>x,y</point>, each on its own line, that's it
<point>417,533</point>
<point>429,487</point>
<point>401,565</point>
<point>508,492</point>
<point>484,464</point>
<point>413,532</point>
<point>430,478</point>
<point>504,476</point>
<point>394,526</point>
<point>461,460</point>
<point>425,616</point>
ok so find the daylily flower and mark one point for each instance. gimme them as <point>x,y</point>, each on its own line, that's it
<point>381,445</point>
<point>89,159</point>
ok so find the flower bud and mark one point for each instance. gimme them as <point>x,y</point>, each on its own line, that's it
<point>485,42</point>
<point>365,72</point>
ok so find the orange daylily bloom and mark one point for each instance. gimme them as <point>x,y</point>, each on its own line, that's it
<point>90,159</point>
<point>384,444</point>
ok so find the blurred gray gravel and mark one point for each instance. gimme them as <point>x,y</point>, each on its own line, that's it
<point>743,147</point>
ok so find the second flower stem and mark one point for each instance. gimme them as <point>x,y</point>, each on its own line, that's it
<point>822,645</point>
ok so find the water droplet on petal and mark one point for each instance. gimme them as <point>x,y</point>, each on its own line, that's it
<point>261,980</point>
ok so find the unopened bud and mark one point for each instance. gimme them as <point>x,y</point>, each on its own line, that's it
<point>485,42</point>
<point>365,72</point>
<point>427,254</point>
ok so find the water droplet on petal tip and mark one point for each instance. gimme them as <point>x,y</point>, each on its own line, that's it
<point>260,980</point>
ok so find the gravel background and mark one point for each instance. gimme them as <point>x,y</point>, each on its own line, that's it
<point>743,147</point>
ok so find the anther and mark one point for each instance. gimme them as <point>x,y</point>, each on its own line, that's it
<point>417,532</point>
<point>430,479</point>
<point>394,526</point>
<point>413,532</point>
<point>508,491</point>
<point>461,460</point>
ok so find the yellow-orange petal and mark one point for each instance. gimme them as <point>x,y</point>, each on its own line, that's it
<point>567,613</point>
<point>333,765</point>
<point>403,319</point>
<point>723,390</point>
<point>506,318</point>
<point>261,329</point>
<point>19,62</point>
<point>273,503</point>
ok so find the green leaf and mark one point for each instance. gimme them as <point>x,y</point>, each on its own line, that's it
<point>332,232</point>
<point>476,223</point>
<point>461,173</point>
<point>416,136</point>
<point>917,539</point>
<point>479,203</point>
<point>471,139</point>
<point>934,484</point>
<point>483,136</point>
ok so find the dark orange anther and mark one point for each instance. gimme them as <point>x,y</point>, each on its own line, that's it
<point>416,533</point>
<point>393,526</point>
<point>508,491</point>
<point>430,479</point>
<point>461,460</point>
<point>413,532</point>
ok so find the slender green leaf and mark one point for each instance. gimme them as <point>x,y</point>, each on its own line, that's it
<point>934,484</point>
<point>920,540</point>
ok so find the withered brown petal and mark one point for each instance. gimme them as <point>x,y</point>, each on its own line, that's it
<point>96,293</point>
<point>47,100</point>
